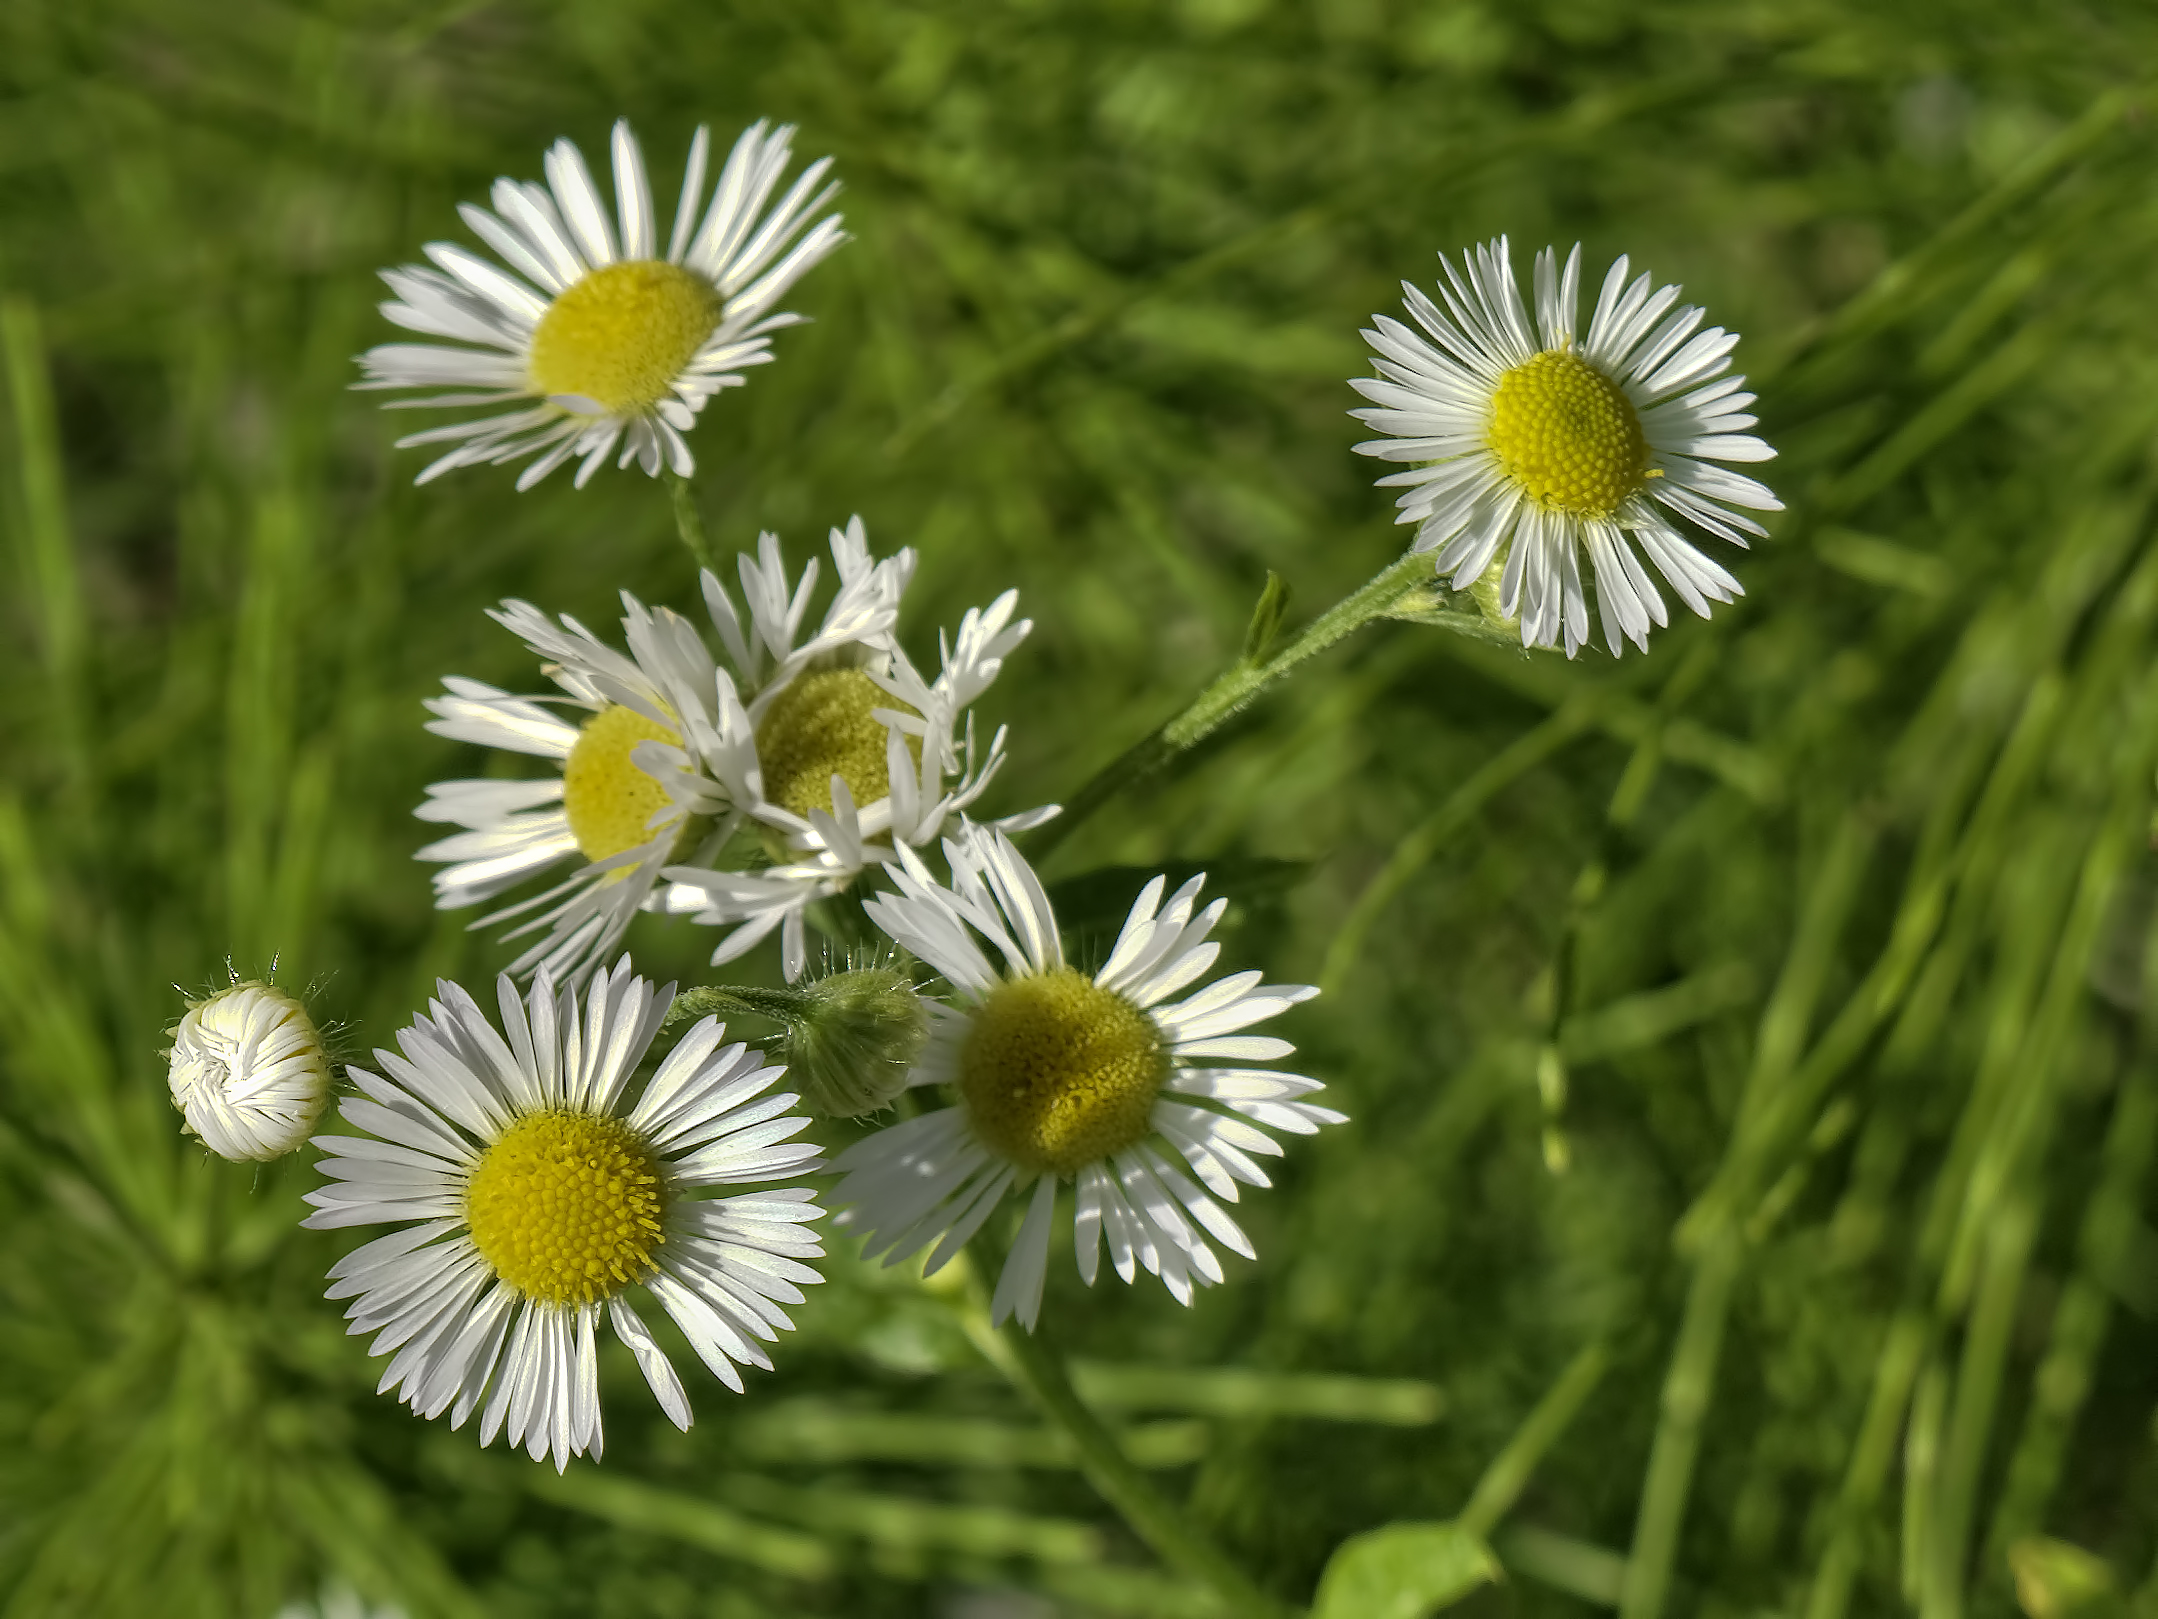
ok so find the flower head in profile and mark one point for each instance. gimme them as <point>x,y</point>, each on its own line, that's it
<point>532,1191</point>
<point>1102,1079</point>
<point>837,752</point>
<point>248,1071</point>
<point>597,338</point>
<point>1532,450</point>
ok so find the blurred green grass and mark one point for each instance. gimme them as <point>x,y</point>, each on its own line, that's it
<point>1835,906</point>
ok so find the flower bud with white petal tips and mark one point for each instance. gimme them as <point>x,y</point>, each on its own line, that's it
<point>248,1071</point>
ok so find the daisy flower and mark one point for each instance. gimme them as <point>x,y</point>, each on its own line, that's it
<point>837,751</point>
<point>1099,1080</point>
<point>611,343</point>
<point>626,797</point>
<point>248,1071</point>
<point>531,1195</point>
<point>1531,448</point>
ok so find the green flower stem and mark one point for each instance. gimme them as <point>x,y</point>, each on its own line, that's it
<point>688,521</point>
<point>1509,1472</point>
<point>1230,691</point>
<point>1687,1386</point>
<point>1034,1365</point>
<point>738,1000</point>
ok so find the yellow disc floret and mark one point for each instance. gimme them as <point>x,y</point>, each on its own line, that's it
<point>1567,435</point>
<point>609,801</point>
<point>1059,1073</point>
<point>567,1207</point>
<point>822,726</point>
<point>621,335</point>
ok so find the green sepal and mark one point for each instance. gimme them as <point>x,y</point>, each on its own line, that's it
<point>1430,602</point>
<point>1266,618</point>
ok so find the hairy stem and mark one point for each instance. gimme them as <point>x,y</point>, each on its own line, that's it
<point>737,1000</point>
<point>1230,691</point>
<point>688,521</point>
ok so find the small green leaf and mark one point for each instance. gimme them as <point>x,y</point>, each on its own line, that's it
<point>1266,618</point>
<point>1403,1571</point>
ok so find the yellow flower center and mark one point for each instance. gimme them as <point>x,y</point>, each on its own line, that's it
<point>821,726</point>
<point>1059,1073</point>
<point>1567,435</point>
<point>567,1207</point>
<point>610,802</point>
<point>621,335</point>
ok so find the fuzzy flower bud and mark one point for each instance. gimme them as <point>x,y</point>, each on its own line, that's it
<point>248,1071</point>
<point>849,1048</point>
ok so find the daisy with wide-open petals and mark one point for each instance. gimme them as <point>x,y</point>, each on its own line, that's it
<point>837,751</point>
<point>532,1194</point>
<point>1101,1080</point>
<point>610,341</point>
<point>1531,448</point>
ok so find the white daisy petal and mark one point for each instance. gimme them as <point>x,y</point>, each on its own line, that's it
<point>1019,1286</point>
<point>1087,1222</point>
<point>632,194</point>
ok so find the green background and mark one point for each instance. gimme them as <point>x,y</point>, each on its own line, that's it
<point>1834,907</point>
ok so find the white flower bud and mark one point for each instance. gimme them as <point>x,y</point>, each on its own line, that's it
<point>249,1072</point>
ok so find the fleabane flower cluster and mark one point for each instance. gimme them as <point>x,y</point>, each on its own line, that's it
<point>1106,1080</point>
<point>1532,449</point>
<point>542,1171</point>
<point>819,740</point>
<point>615,344</point>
